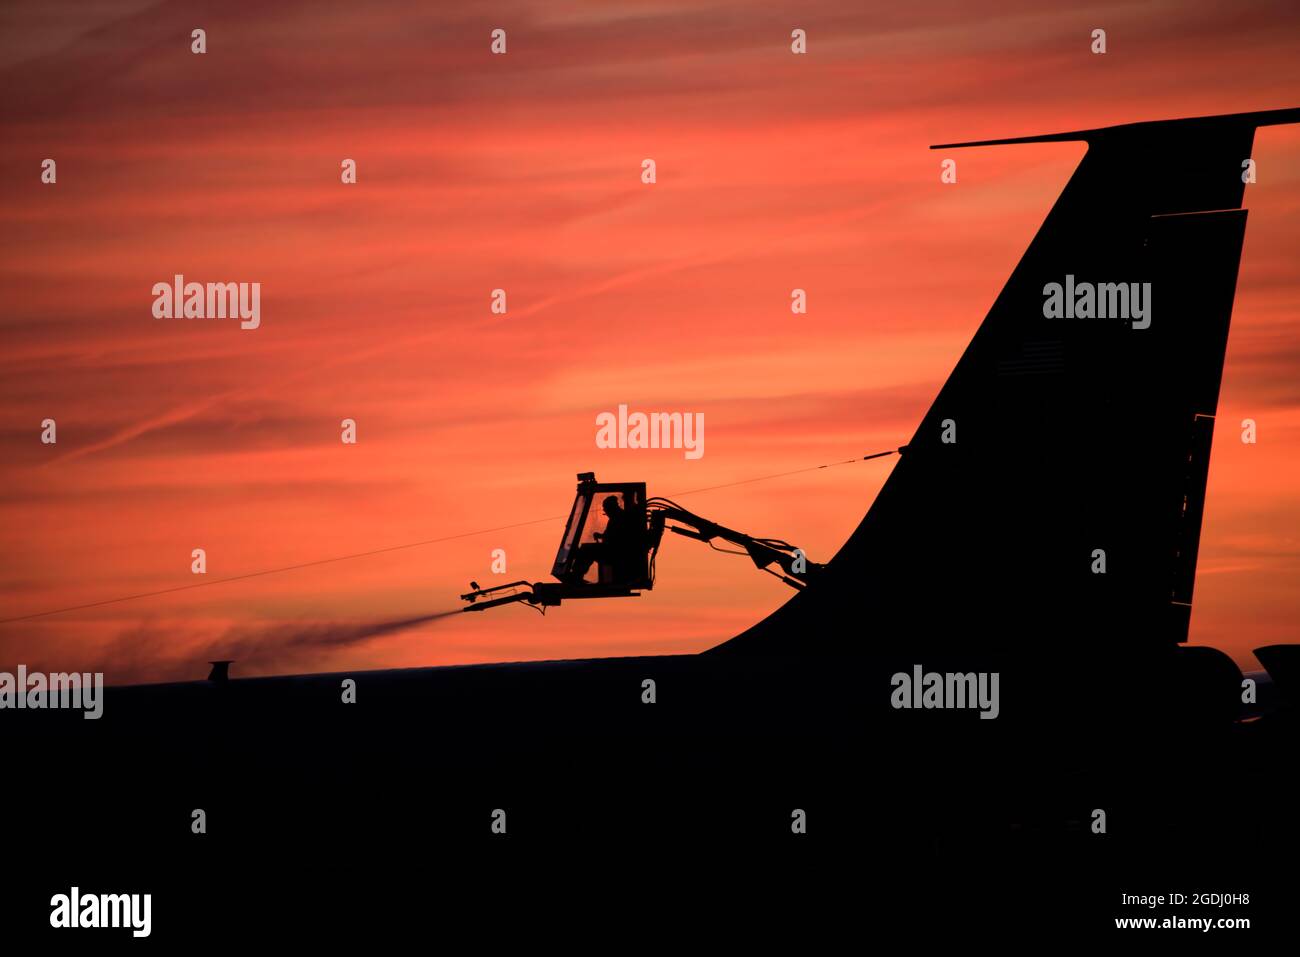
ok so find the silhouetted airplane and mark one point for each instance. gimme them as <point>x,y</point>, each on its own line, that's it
<point>1057,447</point>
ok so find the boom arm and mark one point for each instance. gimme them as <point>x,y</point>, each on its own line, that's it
<point>795,571</point>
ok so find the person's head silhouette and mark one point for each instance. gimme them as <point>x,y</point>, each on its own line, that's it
<point>611,506</point>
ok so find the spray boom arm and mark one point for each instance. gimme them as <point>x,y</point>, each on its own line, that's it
<point>795,569</point>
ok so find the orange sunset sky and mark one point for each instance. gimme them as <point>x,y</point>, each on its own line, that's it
<point>522,172</point>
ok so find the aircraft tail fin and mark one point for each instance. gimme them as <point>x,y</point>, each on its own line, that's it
<point>1056,485</point>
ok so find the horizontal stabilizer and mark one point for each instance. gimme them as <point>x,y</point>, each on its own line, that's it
<point>1154,128</point>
